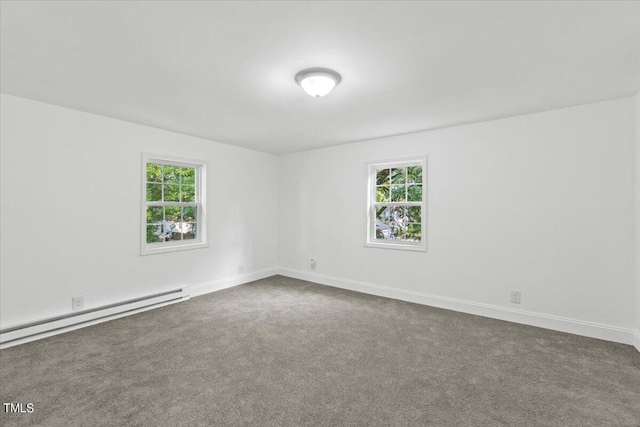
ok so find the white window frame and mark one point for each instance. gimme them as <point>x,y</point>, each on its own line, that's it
<point>370,233</point>
<point>200,183</point>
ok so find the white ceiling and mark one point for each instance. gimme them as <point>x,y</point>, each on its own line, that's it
<point>225,70</point>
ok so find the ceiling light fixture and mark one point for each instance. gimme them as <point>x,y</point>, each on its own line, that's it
<point>318,81</point>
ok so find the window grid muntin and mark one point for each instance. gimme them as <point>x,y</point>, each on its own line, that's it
<point>164,204</point>
<point>404,238</point>
<point>417,180</point>
<point>163,183</point>
<point>398,176</point>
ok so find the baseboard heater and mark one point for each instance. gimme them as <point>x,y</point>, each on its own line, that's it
<point>51,326</point>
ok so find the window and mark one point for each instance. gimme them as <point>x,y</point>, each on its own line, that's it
<point>396,208</point>
<point>173,205</point>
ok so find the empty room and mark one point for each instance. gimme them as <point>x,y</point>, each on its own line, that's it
<point>310,213</point>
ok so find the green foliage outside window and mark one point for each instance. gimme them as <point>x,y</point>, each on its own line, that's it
<point>170,184</point>
<point>399,185</point>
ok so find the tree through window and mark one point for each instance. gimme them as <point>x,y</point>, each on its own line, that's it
<point>173,209</point>
<point>396,212</point>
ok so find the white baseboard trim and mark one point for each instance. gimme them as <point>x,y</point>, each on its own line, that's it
<point>557,323</point>
<point>230,282</point>
<point>636,339</point>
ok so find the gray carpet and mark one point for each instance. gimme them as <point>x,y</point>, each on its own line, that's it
<point>281,351</point>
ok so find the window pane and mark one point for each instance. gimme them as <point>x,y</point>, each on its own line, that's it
<point>382,214</point>
<point>176,235</point>
<point>398,230</point>
<point>414,174</point>
<point>188,175</point>
<point>414,213</point>
<point>382,194</point>
<point>188,193</point>
<point>154,214</point>
<point>171,174</point>
<point>386,221</point>
<point>165,231</point>
<point>398,193</point>
<point>154,172</point>
<point>189,213</point>
<point>398,222</point>
<point>181,228</point>
<point>382,177</point>
<point>390,213</point>
<point>397,214</point>
<point>153,232</point>
<point>382,227</point>
<point>398,175</point>
<point>383,230</point>
<point>395,223</point>
<point>414,232</point>
<point>173,213</point>
<point>154,192</point>
<point>171,193</point>
<point>415,193</point>
<point>189,231</point>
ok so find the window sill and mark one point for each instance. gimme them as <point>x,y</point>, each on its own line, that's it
<point>150,250</point>
<point>422,247</point>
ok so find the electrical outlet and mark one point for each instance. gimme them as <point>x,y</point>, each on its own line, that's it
<point>240,269</point>
<point>77,303</point>
<point>516,297</point>
<point>312,263</point>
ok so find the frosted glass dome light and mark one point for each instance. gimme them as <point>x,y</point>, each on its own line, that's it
<point>318,81</point>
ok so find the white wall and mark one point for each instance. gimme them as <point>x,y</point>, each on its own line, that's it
<point>71,211</point>
<point>541,203</point>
